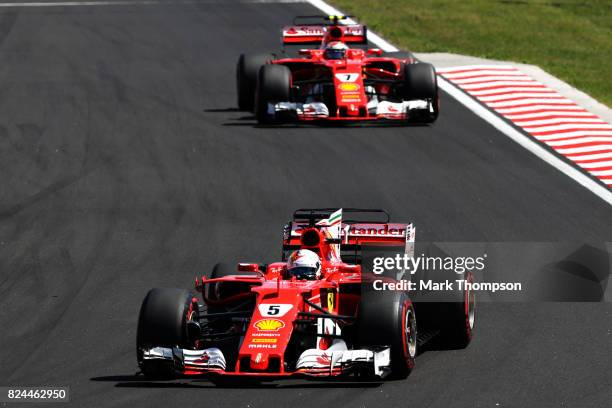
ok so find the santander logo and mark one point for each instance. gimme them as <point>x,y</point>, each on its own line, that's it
<point>375,230</point>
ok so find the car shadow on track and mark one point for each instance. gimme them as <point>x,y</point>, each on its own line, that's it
<point>139,381</point>
<point>321,124</point>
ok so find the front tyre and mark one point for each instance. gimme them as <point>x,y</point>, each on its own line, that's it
<point>247,70</point>
<point>388,320</point>
<point>162,322</point>
<point>421,82</point>
<point>273,86</point>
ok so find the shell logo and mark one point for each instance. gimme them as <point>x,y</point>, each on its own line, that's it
<point>348,86</point>
<point>269,324</point>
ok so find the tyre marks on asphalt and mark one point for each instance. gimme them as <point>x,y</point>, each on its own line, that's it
<point>549,117</point>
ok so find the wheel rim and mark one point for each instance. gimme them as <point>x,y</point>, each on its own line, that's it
<point>471,305</point>
<point>410,333</point>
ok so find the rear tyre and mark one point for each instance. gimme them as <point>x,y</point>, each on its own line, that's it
<point>273,86</point>
<point>458,319</point>
<point>421,82</point>
<point>162,322</point>
<point>388,319</point>
<point>247,70</point>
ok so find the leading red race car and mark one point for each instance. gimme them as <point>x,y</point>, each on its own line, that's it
<point>334,82</point>
<point>312,314</point>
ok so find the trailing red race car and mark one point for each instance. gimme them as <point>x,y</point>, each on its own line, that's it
<point>312,314</point>
<point>334,82</point>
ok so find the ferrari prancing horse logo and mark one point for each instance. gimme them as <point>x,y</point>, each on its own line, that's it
<point>330,301</point>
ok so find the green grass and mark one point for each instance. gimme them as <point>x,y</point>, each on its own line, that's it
<point>572,40</point>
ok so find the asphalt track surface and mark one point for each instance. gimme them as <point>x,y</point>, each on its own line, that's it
<point>124,166</point>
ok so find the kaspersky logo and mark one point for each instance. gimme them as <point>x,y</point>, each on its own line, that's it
<point>269,325</point>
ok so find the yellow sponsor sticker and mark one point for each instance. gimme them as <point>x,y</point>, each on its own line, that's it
<point>350,98</point>
<point>269,324</point>
<point>348,86</point>
<point>263,340</point>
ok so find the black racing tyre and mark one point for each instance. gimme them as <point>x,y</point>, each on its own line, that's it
<point>162,322</point>
<point>388,319</point>
<point>220,270</point>
<point>273,86</point>
<point>421,82</point>
<point>458,318</point>
<point>247,70</point>
<point>215,291</point>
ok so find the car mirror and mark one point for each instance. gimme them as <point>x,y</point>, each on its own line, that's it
<point>248,267</point>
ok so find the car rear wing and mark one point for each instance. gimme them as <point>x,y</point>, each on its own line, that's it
<point>314,34</point>
<point>359,228</point>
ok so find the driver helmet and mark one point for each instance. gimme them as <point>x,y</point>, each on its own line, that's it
<point>335,50</point>
<point>304,265</point>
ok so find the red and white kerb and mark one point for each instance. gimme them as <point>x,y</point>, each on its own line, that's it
<point>551,118</point>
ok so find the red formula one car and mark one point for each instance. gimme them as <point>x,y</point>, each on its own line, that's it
<point>312,315</point>
<point>334,82</point>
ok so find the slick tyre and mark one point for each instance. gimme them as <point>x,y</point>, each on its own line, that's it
<point>458,318</point>
<point>273,86</point>
<point>247,70</point>
<point>162,322</point>
<point>421,82</point>
<point>221,290</point>
<point>215,292</point>
<point>388,319</point>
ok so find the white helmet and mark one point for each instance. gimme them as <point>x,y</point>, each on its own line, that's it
<point>304,264</point>
<point>335,50</point>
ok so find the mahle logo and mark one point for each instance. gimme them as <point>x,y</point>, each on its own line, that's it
<point>269,325</point>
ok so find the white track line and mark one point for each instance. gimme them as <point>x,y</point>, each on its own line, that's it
<point>522,139</point>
